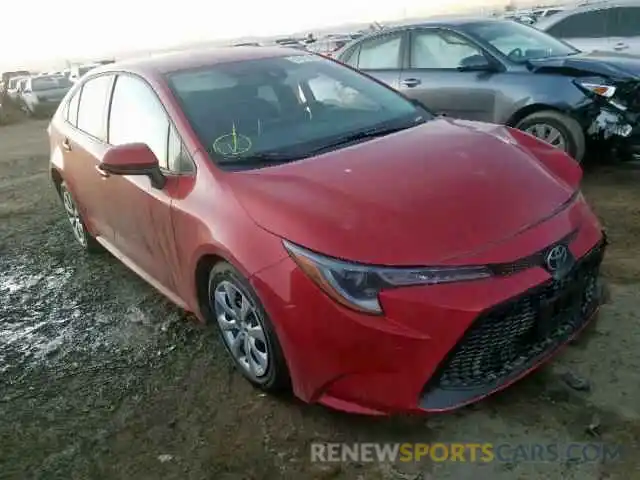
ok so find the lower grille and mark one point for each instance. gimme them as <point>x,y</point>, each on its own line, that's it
<point>506,339</point>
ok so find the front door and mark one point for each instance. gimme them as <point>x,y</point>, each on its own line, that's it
<point>587,31</point>
<point>140,214</point>
<point>625,30</point>
<point>434,76</point>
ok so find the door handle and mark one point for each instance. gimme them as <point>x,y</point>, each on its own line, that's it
<point>101,172</point>
<point>411,82</point>
<point>621,46</point>
<point>66,145</point>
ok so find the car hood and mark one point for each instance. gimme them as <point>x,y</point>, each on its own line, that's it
<point>417,197</point>
<point>609,64</point>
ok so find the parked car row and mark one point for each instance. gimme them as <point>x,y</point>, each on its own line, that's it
<point>40,93</point>
<point>37,94</point>
<point>530,17</point>
<point>326,45</point>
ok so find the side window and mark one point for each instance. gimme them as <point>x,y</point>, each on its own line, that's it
<point>137,116</point>
<point>179,160</point>
<point>72,109</point>
<point>626,22</point>
<point>444,50</point>
<point>591,24</point>
<point>92,108</point>
<point>382,53</point>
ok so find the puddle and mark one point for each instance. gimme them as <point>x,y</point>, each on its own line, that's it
<point>48,314</point>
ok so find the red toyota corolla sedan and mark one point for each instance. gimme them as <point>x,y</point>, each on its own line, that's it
<point>346,243</point>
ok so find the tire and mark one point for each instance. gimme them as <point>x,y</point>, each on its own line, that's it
<point>78,227</point>
<point>570,130</point>
<point>228,287</point>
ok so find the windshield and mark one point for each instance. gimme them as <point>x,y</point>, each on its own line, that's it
<point>49,83</point>
<point>292,106</point>
<point>519,42</point>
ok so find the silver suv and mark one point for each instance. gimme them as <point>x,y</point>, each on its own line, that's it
<point>609,26</point>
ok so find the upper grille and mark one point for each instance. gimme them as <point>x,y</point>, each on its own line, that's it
<point>506,339</point>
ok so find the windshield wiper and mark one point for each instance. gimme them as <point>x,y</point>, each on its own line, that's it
<point>363,135</point>
<point>266,158</point>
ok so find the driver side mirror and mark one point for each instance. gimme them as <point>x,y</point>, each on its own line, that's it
<point>134,159</point>
<point>475,63</point>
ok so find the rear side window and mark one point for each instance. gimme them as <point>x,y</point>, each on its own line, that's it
<point>591,24</point>
<point>626,22</point>
<point>72,109</point>
<point>382,53</point>
<point>93,106</point>
<point>137,116</point>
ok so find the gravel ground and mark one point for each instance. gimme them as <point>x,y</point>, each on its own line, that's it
<point>101,377</point>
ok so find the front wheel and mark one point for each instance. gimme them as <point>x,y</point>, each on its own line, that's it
<point>558,130</point>
<point>246,330</point>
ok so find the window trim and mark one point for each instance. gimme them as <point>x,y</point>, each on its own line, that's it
<point>166,171</point>
<point>67,107</point>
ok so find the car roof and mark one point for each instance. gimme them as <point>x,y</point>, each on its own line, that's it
<point>453,21</point>
<point>442,22</point>
<point>188,59</point>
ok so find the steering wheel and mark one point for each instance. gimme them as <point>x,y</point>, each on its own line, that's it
<point>516,54</point>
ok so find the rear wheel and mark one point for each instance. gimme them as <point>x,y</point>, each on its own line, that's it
<point>80,232</point>
<point>558,130</point>
<point>246,330</point>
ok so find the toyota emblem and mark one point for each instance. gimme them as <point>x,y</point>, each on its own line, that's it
<point>557,258</point>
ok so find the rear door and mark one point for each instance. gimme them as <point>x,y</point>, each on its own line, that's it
<point>141,214</point>
<point>432,76</point>
<point>587,31</point>
<point>83,146</point>
<point>380,57</point>
<point>625,29</point>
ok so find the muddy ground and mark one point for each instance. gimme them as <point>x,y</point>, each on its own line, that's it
<point>101,377</point>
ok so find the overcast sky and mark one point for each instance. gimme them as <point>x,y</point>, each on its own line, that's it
<point>79,28</point>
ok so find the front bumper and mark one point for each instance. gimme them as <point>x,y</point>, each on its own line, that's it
<point>437,347</point>
<point>510,339</point>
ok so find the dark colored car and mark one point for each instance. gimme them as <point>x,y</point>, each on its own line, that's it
<point>507,73</point>
<point>345,242</point>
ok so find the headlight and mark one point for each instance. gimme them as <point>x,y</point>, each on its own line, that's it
<point>600,89</point>
<point>357,286</point>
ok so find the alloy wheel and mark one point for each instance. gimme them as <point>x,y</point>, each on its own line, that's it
<point>74,217</point>
<point>242,329</point>
<point>549,134</point>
